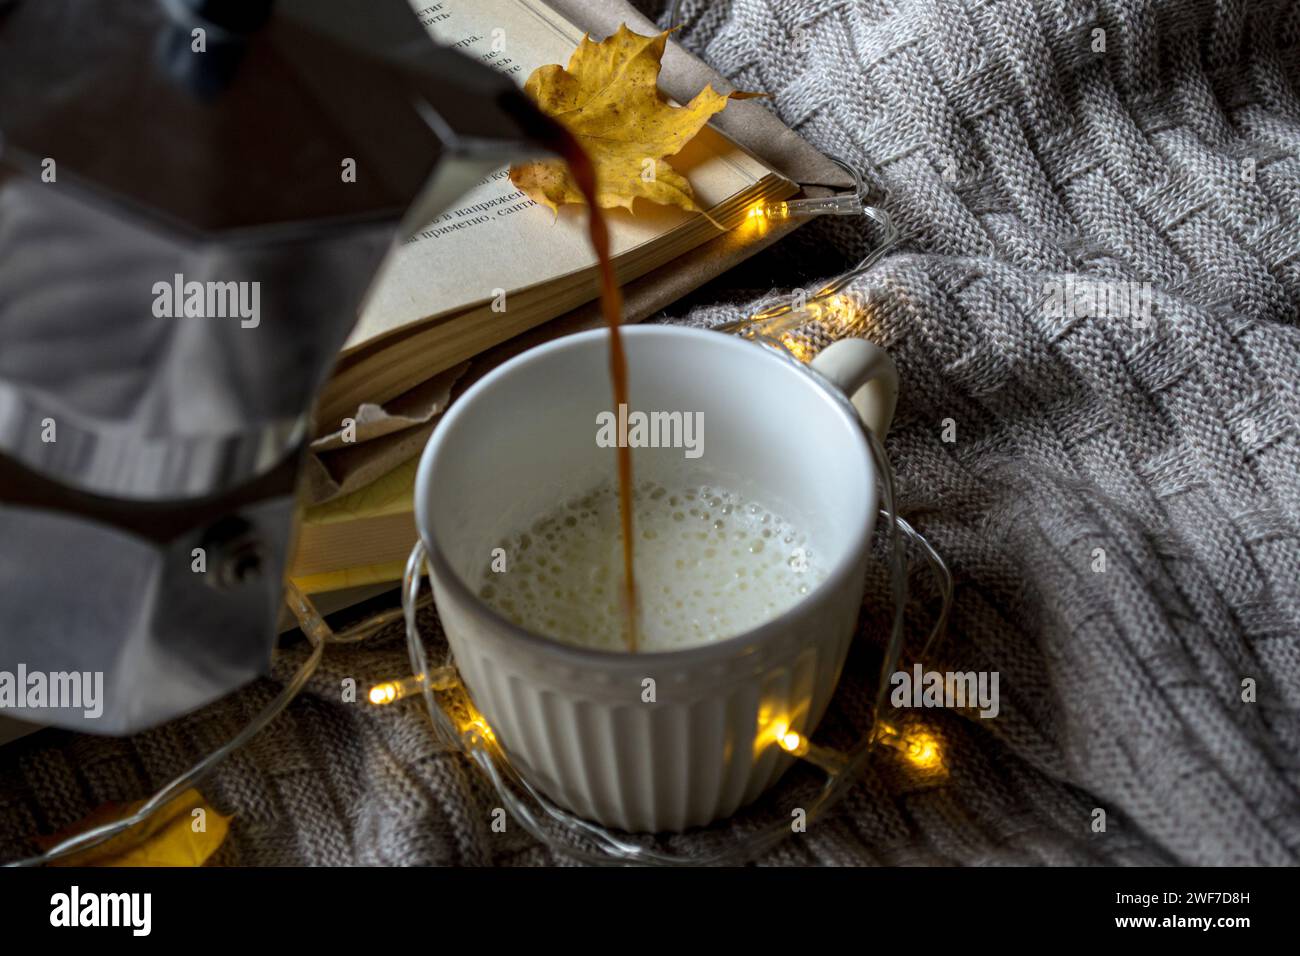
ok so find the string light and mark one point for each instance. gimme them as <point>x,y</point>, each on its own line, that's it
<point>391,691</point>
<point>776,731</point>
<point>473,726</point>
<point>830,303</point>
<point>480,726</point>
<point>923,750</point>
<point>844,204</point>
<point>919,746</point>
<point>452,698</point>
<point>780,733</point>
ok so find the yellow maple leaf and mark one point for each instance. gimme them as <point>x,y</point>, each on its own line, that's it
<point>608,99</point>
<point>170,837</point>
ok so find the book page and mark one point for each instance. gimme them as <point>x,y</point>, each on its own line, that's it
<point>498,238</point>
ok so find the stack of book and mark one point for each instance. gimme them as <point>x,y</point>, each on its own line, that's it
<point>499,273</point>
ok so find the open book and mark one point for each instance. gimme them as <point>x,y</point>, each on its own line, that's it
<point>499,264</point>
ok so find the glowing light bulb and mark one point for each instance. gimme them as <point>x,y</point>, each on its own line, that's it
<point>778,732</point>
<point>391,691</point>
<point>923,751</point>
<point>917,746</point>
<point>477,724</point>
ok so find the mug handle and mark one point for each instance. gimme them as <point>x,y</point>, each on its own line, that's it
<point>865,373</point>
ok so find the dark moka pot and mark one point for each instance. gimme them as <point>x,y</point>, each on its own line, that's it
<point>194,198</point>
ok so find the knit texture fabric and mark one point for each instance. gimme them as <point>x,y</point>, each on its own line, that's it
<point>1116,489</point>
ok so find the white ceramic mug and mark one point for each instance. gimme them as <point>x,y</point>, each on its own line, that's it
<point>575,721</point>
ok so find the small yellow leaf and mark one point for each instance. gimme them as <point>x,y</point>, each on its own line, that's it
<point>608,99</point>
<point>185,832</point>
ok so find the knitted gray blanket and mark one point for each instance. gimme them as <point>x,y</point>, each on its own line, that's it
<point>1095,321</point>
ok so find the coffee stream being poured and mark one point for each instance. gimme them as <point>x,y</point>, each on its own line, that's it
<point>612,305</point>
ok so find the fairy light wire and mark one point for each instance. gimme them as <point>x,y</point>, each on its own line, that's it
<point>444,729</point>
<point>853,203</point>
<point>796,306</point>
